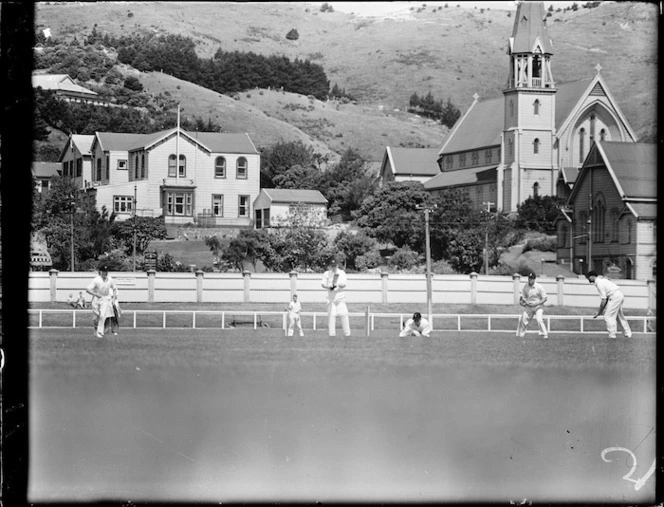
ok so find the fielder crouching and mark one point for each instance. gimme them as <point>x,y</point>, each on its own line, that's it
<point>416,326</point>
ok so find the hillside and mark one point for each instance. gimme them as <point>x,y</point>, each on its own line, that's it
<point>271,116</point>
<point>453,52</point>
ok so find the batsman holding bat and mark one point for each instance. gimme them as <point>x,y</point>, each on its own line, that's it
<point>533,296</point>
<point>334,281</point>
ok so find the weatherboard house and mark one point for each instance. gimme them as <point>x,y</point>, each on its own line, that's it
<point>184,176</point>
<point>609,224</point>
<point>534,139</point>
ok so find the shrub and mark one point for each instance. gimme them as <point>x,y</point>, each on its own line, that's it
<point>370,260</point>
<point>404,258</point>
<point>293,35</point>
<point>543,244</point>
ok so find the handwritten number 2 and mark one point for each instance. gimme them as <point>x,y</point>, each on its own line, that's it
<point>628,476</point>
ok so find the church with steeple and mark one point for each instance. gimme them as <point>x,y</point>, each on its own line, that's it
<point>534,139</point>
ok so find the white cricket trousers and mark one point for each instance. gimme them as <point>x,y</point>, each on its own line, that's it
<point>526,317</point>
<point>612,311</point>
<point>340,309</point>
<point>294,320</point>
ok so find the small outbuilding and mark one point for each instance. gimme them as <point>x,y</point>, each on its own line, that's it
<point>281,207</point>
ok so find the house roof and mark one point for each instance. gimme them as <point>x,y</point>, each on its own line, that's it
<point>412,161</point>
<point>290,195</point>
<point>569,174</point>
<point>633,166</point>
<point>461,177</point>
<point>215,142</point>
<point>482,125</point>
<point>223,142</point>
<point>46,169</point>
<point>83,142</point>
<point>643,210</point>
<point>59,82</point>
<point>529,26</point>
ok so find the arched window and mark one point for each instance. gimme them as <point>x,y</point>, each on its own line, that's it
<point>599,213</point>
<point>582,139</point>
<point>602,134</point>
<point>511,108</point>
<point>143,165</point>
<point>536,144</point>
<point>592,128</point>
<point>220,167</point>
<point>628,232</point>
<point>537,66</point>
<point>182,167</point>
<point>242,168</point>
<point>171,166</point>
<point>614,225</point>
<point>536,106</point>
<point>535,189</point>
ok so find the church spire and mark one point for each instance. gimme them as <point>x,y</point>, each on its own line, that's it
<point>530,48</point>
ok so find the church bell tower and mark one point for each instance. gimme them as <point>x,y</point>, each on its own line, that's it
<point>527,160</point>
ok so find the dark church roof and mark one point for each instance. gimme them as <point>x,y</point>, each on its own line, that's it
<point>529,25</point>
<point>483,123</point>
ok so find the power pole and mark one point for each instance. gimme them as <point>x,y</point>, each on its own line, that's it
<point>590,232</point>
<point>428,258</point>
<point>133,212</point>
<point>486,238</point>
<point>72,204</point>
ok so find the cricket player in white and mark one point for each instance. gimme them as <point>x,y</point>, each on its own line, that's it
<point>293,309</point>
<point>417,326</point>
<point>611,304</point>
<point>103,290</point>
<point>532,298</point>
<point>334,281</point>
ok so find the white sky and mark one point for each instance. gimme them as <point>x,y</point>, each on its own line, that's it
<point>382,8</point>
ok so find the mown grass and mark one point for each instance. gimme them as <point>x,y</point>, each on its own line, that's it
<point>244,415</point>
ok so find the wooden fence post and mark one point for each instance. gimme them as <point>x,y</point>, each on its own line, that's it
<point>247,286</point>
<point>516,280</point>
<point>473,288</point>
<point>561,289</point>
<point>54,284</point>
<point>199,285</point>
<point>151,273</point>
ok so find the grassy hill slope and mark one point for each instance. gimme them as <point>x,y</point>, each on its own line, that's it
<point>453,52</point>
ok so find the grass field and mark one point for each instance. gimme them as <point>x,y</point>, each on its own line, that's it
<point>244,415</point>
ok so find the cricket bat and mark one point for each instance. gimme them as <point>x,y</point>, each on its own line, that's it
<point>334,281</point>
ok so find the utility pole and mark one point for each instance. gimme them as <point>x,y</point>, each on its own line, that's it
<point>486,238</point>
<point>72,209</point>
<point>428,258</point>
<point>590,232</point>
<point>133,212</point>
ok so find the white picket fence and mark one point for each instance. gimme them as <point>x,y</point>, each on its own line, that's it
<point>145,319</point>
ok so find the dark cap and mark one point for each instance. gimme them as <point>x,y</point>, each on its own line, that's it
<point>532,275</point>
<point>591,273</point>
<point>333,262</point>
<point>417,316</point>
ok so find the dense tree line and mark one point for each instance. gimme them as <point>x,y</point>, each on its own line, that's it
<point>444,112</point>
<point>226,72</point>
